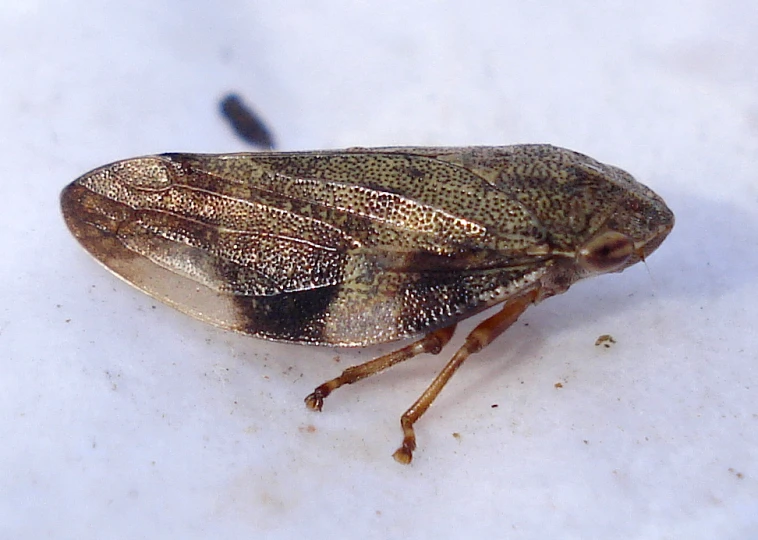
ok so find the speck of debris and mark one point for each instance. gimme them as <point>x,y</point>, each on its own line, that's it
<point>558,385</point>
<point>606,340</point>
<point>245,122</point>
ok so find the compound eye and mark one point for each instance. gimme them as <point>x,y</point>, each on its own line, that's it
<point>605,253</point>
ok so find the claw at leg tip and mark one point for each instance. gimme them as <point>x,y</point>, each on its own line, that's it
<point>403,456</point>
<point>314,403</point>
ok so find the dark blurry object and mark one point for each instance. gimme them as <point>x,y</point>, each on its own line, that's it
<point>246,122</point>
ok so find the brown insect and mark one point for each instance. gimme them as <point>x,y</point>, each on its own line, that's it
<point>364,246</point>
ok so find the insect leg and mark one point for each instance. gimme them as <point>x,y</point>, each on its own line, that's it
<point>430,343</point>
<point>480,337</point>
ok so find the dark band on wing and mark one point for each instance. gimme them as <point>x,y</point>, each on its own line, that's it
<point>294,317</point>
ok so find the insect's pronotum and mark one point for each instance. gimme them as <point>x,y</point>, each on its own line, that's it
<point>364,246</point>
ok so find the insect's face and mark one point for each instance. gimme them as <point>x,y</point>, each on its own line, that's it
<point>636,225</point>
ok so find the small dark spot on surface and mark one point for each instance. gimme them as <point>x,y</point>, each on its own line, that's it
<point>457,435</point>
<point>558,385</point>
<point>245,122</point>
<point>494,405</point>
<point>415,173</point>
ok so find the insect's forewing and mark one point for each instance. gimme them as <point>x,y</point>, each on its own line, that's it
<point>343,248</point>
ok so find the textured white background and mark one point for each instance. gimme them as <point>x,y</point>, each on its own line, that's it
<point>120,418</point>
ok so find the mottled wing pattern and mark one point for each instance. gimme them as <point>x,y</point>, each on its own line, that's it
<point>325,248</point>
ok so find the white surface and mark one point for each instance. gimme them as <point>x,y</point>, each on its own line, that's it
<point>123,419</point>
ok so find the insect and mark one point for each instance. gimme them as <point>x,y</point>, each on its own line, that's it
<point>364,246</point>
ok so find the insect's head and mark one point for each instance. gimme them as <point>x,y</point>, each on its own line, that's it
<point>635,226</point>
<point>595,218</point>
